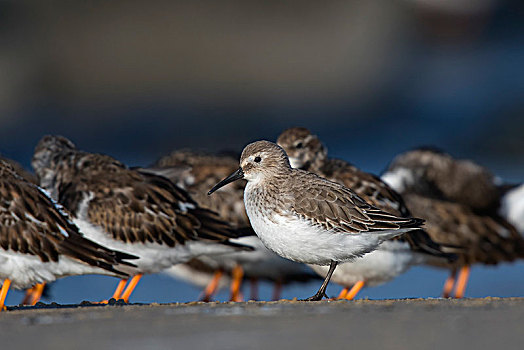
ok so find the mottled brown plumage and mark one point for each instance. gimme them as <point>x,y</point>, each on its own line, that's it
<point>487,239</point>
<point>444,192</point>
<point>316,199</point>
<point>131,206</point>
<point>306,218</point>
<point>197,172</point>
<point>31,223</point>
<point>20,170</point>
<point>307,152</point>
<point>334,206</point>
<point>439,175</point>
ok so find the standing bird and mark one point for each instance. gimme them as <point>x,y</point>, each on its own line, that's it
<point>39,243</point>
<point>306,218</point>
<point>394,256</point>
<point>196,172</point>
<point>34,293</point>
<point>138,213</point>
<point>458,199</point>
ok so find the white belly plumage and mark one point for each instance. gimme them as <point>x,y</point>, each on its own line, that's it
<point>152,257</point>
<point>296,239</point>
<point>25,270</point>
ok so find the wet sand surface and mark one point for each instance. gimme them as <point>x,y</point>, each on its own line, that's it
<point>488,323</point>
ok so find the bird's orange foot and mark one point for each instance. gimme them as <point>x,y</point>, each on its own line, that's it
<point>238,274</point>
<point>130,288</point>
<point>462,282</point>
<point>354,290</point>
<point>212,286</point>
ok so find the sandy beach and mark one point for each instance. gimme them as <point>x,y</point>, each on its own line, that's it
<point>485,323</point>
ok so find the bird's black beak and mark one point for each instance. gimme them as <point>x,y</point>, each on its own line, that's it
<point>237,175</point>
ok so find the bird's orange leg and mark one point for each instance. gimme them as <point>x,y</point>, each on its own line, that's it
<point>448,285</point>
<point>238,274</point>
<point>462,281</point>
<point>354,290</point>
<point>38,289</point>
<point>28,296</point>
<point>212,286</point>
<point>277,291</point>
<point>343,293</point>
<point>118,291</point>
<point>131,287</point>
<point>254,289</point>
<point>3,293</point>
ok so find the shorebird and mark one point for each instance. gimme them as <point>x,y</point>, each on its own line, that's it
<point>128,210</point>
<point>448,194</point>
<point>39,243</point>
<point>391,258</point>
<point>34,293</point>
<point>196,172</point>
<point>306,218</point>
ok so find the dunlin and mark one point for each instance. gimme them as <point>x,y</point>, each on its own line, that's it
<point>39,243</point>
<point>306,218</point>
<point>197,172</point>
<point>442,190</point>
<point>391,258</point>
<point>141,214</point>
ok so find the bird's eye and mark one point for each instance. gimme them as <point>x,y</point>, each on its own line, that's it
<point>299,145</point>
<point>257,159</point>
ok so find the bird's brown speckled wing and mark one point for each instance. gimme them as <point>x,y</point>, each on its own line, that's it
<point>20,170</point>
<point>368,186</point>
<point>377,193</point>
<point>131,206</point>
<point>197,173</point>
<point>337,208</point>
<point>437,174</point>
<point>31,223</point>
<point>484,239</point>
<point>152,209</point>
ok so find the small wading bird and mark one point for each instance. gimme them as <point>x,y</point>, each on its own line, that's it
<point>139,213</point>
<point>306,218</point>
<point>459,201</point>
<point>196,172</point>
<point>39,243</point>
<point>34,293</point>
<point>393,257</point>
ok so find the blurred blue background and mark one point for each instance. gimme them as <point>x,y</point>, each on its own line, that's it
<point>137,79</point>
